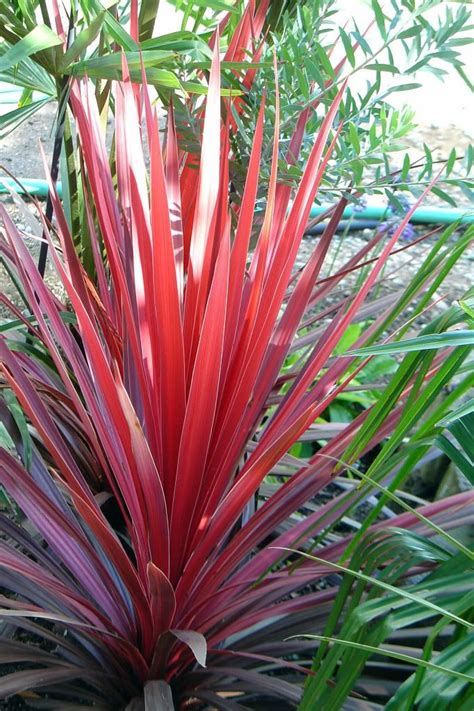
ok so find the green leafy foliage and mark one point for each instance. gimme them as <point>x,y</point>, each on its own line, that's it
<point>457,442</point>
<point>311,68</point>
<point>433,341</point>
<point>316,54</point>
<point>39,39</point>
<point>374,638</point>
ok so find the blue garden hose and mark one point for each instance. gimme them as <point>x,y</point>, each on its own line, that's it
<point>344,225</point>
<point>39,188</point>
<point>423,215</point>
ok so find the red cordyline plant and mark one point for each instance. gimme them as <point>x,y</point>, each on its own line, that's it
<point>142,569</point>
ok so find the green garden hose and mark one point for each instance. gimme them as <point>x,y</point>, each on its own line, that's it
<point>423,215</point>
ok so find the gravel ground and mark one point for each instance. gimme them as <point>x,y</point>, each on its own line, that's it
<point>21,156</point>
<point>401,267</point>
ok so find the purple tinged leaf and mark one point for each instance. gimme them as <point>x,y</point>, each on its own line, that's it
<point>196,643</point>
<point>158,696</point>
<point>35,679</point>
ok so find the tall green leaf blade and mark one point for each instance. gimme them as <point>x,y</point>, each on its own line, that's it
<point>438,690</point>
<point>146,18</point>
<point>466,678</point>
<point>39,39</point>
<point>401,592</point>
<point>451,339</point>
<point>12,119</point>
<point>82,41</point>
<point>464,409</point>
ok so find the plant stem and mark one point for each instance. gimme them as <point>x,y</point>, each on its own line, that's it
<point>54,170</point>
<point>63,95</point>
